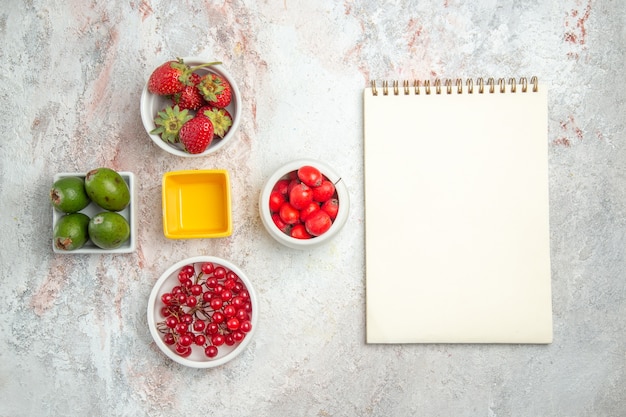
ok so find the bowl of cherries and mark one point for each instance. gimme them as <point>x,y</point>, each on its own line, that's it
<point>304,204</point>
<point>202,312</point>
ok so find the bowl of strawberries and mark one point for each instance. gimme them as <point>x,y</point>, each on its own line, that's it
<point>191,106</point>
<point>304,204</point>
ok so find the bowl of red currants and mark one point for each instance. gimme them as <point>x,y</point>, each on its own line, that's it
<point>304,204</point>
<point>202,312</point>
<point>191,106</point>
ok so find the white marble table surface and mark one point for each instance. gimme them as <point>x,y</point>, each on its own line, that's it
<point>73,335</point>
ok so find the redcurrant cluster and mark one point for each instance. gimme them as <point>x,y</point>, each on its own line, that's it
<point>207,309</point>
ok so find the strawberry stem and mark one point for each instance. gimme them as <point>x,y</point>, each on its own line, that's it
<point>208,64</point>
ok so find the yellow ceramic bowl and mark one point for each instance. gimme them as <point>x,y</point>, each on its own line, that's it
<point>196,204</point>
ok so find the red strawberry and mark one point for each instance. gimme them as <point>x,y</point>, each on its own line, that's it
<point>169,122</point>
<point>196,135</point>
<point>190,97</point>
<point>172,76</point>
<point>221,119</point>
<point>215,89</point>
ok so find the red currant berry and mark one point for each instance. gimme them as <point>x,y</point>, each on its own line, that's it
<point>229,284</point>
<point>196,289</point>
<point>216,303</point>
<point>212,328</point>
<point>183,351</point>
<point>206,296</point>
<point>207,267</point>
<point>226,295</point>
<point>238,335</point>
<point>210,351</point>
<point>199,325</point>
<point>171,322</point>
<point>218,339</point>
<point>186,318</point>
<point>182,276</point>
<point>242,314</point>
<point>237,301</point>
<point>219,272</point>
<point>200,340</point>
<point>229,340</point>
<point>186,339</point>
<point>229,310</point>
<point>169,339</point>
<point>191,301</point>
<point>181,328</point>
<point>218,317</point>
<point>167,298</point>
<point>245,326</point>
<point>232,323</point>
<point>211,282</point>
<point>189,270</point>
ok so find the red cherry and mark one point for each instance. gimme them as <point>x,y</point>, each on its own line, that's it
<point>300,232</point>
<point>276,200</point>
<point>300,196</point>
<point>318,223</point>
<point>288,213</point>
<point>311,176</point>
<point>331,207</point>
<point>324,192</point>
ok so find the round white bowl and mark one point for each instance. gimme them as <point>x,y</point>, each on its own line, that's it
<point>151,104</point>
<point>338,223</point>
<point>197,359</point>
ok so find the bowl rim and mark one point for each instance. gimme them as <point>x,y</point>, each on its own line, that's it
<point>148,119</point>
<point>338,223</point>
<point>228,209</point>
<point>156,290</point>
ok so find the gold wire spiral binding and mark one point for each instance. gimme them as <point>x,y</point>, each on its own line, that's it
<point>427,86</point>
<point>524,83</point>
<point>374,89</point>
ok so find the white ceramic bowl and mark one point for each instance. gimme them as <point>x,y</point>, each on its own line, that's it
<point>151,104</point>
<point>283,172</point>
<point>129,213</point>
<point>197,359</point>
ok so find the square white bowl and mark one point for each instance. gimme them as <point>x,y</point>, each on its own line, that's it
<point>129,213</point>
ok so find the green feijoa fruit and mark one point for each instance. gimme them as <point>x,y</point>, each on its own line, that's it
<point>68,195</point>
<point>71,231</point>
<point>107,188</point>
<point>108,230</point>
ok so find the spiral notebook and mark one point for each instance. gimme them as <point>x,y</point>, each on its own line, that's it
<point>456,212</point>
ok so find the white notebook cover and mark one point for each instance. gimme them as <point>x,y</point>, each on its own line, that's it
<point>457,217</point>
